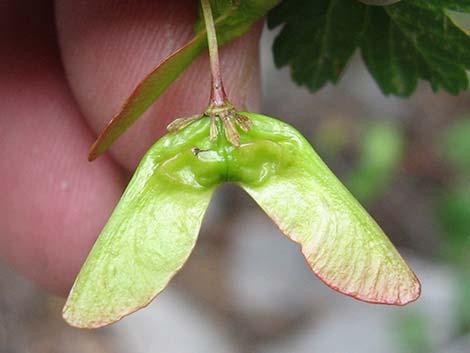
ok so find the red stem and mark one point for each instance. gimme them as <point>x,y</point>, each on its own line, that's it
<point>218,95</point>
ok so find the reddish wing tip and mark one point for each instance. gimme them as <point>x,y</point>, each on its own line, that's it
<point>399,301</point>
<point>416,293</point>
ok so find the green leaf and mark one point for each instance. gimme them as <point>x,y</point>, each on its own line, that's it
<point>342,244</point>
<point>317,38</point>
<point>400,44</point>
<point>231,20</point>
<point>150,234</point>
<point>421,44</point>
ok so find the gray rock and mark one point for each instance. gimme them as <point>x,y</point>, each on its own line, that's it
<point>172,324</point>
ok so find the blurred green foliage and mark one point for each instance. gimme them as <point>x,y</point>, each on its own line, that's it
<point>380,148</point>
<point>412,333</point>
<point>455,145</point>
<point>380,153</point>
<point>463,301</point>
<point>453,212</point>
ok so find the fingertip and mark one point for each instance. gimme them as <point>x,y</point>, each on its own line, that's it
<point>53,202</point>
<point>108,49</point>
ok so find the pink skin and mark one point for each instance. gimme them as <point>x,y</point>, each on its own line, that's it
<point>53,201</point>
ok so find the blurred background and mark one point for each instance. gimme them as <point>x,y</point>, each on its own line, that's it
<point>246,288</point>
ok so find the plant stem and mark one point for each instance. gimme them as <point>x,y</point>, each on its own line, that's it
<point>218,95</point>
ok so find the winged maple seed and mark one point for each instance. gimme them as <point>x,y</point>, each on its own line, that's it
<point>154,227</point>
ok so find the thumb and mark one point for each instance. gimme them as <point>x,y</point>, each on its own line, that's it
<point>108,47</point>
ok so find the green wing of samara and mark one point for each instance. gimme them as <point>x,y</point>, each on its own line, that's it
<point>342,244</point>
<point>149,235</point>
